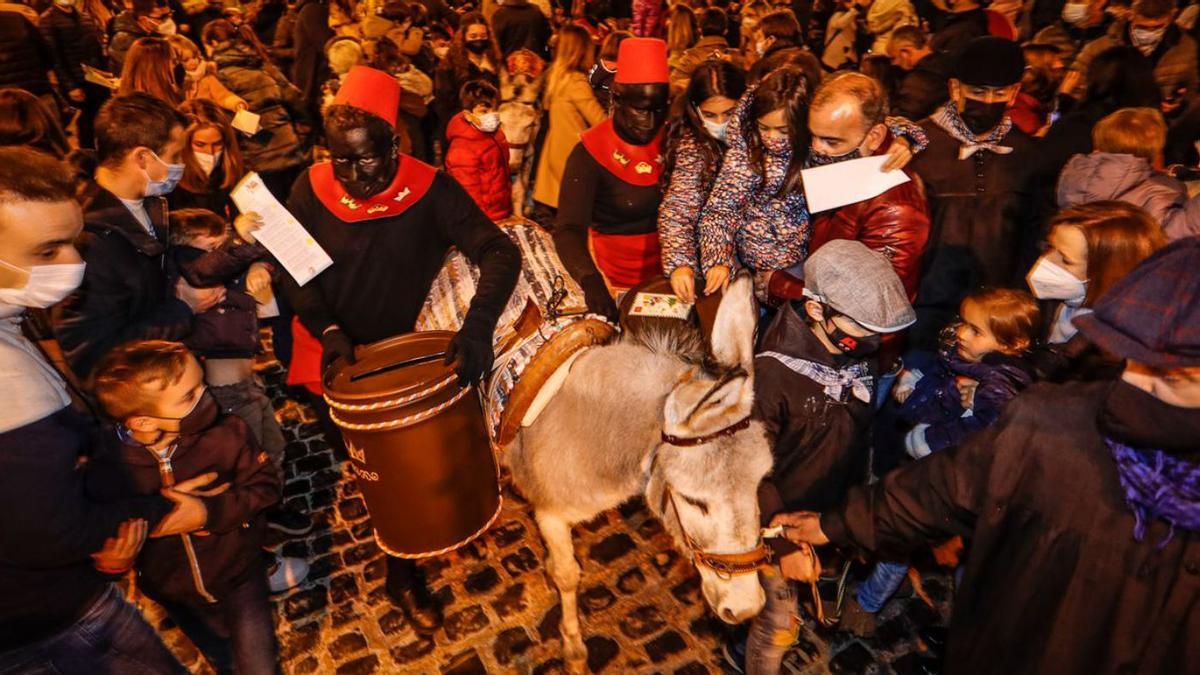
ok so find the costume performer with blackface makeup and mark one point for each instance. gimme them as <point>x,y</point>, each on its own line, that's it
<point>607,227</point>
<point>387,221</point>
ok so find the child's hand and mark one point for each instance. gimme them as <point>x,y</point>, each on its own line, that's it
<point>966,391</point>
<point>258,279</point>
<point>246,224</point>
<point>716,279</point>
<point>905,384</point>
<point>119,552</point>
<point>683,283</point>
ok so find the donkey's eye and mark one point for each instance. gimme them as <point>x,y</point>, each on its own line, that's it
<point>696,503</point>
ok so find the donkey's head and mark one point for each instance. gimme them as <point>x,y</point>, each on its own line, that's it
<point>706,474</point>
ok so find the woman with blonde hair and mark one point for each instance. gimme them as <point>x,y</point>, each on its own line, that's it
<point>200,76</point>
<point>212,160</point>
<point>571,107</point>
<point>682,32</point>
<point>150,68</point>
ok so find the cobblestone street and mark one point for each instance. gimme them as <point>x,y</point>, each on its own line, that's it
<point>642,610</point>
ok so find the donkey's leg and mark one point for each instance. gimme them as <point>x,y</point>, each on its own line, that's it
<point>564,571</point>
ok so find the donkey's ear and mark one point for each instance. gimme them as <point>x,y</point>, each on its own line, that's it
<point>733,329</point>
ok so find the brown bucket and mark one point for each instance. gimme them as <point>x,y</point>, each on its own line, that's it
<point>417,445</point>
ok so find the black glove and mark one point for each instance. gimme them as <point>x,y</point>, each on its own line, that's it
<point>471,350</point>
<point>598,299</point>
<point>335,344</point>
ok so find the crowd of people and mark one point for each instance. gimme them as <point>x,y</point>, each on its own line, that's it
<point>999,356</point>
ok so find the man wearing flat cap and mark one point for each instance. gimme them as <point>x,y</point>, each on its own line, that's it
<point>387,220</point>
<point>1081,504</point>
<point>974,172</point>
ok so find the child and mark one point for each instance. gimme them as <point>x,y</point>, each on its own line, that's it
<point>974,378</point>
<point>226,337</point>
<point>168,429</point>
<point>1127,166</point>
<point>478,153</point>
<point>961,392</point>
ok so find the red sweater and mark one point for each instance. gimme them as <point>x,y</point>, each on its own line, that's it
<point>479,162</point>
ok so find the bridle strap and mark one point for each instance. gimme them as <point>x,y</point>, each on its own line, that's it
<point>688,442</point>
<point>724,565</point>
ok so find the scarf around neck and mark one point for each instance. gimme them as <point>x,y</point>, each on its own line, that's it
<point>1154,446</point>
<point>853,379</point>
<point>948,119</point>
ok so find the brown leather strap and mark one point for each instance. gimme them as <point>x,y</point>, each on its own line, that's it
<point>684,442</point>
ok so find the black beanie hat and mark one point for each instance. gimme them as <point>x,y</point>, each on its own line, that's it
<point>989,62</point>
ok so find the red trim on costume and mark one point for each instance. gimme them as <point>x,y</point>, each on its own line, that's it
<point>305,368</point>
<point>635,164</point>
<point>413,178</point>
<point>627,259</point>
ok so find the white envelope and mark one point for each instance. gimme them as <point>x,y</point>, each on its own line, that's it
<point>848,182</point>
<point>246,122</point>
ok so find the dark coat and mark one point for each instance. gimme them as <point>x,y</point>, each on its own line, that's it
<point>1053,580</point>
<point>935,399</point>
<point>820,443</point>
<point>479,162</point>
<point>977,207</point>
<point>75,39</point>
<point>232,550</point>
<point>25,58</point>
<point>230,329</point>
<point>50,528</point>
<point>959,29</point>
<point>520,25</point>
<point>124,295</point>
<point>448,81</point>
<point>310,69</point>
<point>924,88</point>
<point>277,145</point>
<point>126,31</point>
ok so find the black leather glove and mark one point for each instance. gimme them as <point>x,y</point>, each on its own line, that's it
<point>335,344</point>
<point>598,299</point>
<point>471,351</point>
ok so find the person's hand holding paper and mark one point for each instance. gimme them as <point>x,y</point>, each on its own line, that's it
<point>849,182</point>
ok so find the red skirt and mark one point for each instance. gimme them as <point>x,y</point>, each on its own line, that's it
<point>305,368</point>
<point>626,260</point>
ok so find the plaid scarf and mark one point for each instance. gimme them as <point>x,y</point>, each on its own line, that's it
<point>1158,486</point>
<point>947,118</point>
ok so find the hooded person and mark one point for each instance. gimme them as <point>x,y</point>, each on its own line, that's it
<point>606,230</point>
<point>975,176</point>
<point>813,391</point>
<point>387,220</point>
<point>1081,502</point>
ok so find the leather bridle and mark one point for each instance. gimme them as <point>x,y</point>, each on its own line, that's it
<point>724,565</point>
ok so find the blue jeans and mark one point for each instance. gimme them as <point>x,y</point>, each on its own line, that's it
<point>775,628</point>
<point>236,635</point>
<point>111,638</point>
<point>885,579</point>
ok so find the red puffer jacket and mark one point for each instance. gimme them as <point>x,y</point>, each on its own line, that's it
<point>479,162</point>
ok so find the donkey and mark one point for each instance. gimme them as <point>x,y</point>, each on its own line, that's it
<point>520,118</point>
<point>636,418</point>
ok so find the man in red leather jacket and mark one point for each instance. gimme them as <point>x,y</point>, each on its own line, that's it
<point>846,120</point>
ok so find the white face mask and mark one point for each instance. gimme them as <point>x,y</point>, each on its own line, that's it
<point>760,48</point>
<point>166,27</point>
<point>1050,281</point>
<point>46,284</point>
<point>441,52</point>
<point>1146,40</point>
<point>207,162</point>
<point>717,130</point>
<point>487,122</point>
<point>1075,13</point>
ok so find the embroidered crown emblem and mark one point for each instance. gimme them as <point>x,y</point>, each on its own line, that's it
<point>349,203</point>
<point>643,168</point>
<point>403,193</point>
<point>377,208</point>
<point>620,159</point>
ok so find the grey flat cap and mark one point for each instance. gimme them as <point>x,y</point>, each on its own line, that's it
<point>860,283</point>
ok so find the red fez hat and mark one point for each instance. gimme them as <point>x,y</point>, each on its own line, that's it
<point>642,61</point>
<point>370,90</point>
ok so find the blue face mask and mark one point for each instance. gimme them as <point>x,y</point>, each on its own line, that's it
<point>159,188</point>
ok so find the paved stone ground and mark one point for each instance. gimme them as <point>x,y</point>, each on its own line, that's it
<point>641,603</point>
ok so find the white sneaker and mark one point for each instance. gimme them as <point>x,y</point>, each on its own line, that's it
<point>287,573</point>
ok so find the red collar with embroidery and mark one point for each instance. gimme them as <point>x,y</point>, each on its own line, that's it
<point>413,178</point>
<point>635,164</point>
